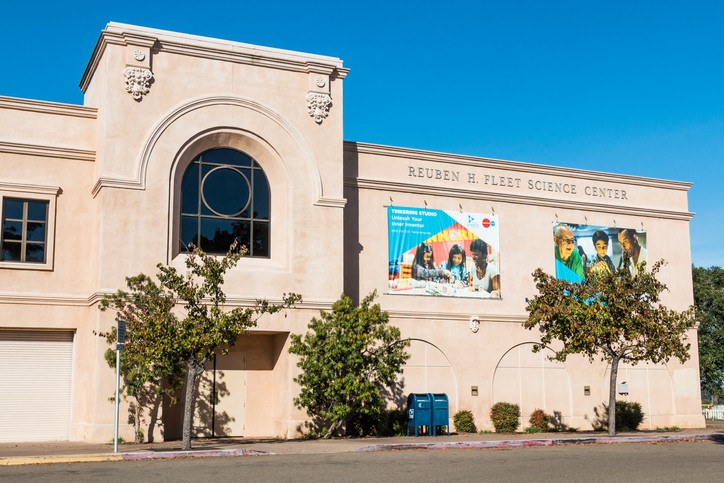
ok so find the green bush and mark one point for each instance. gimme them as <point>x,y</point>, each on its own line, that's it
<point>392,422</point>
<point>628,416</point>
<point>395,423</point>
<point>505,417</point>
<point>464,422</point>
<point>539,420</point>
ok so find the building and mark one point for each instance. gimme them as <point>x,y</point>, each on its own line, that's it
<point>177,132</point>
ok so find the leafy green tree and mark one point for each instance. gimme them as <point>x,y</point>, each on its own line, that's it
<point>176,342</point>
<point>612,316</point>
<point>146,374</point>
<point>709,301</point>
<point>347,357</point>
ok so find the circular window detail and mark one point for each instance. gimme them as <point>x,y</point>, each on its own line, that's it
<point>225,198</point>
<point>226,191</point>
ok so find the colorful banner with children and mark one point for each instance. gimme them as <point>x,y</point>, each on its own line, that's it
<point>444,253</point>
<point>583,249</point>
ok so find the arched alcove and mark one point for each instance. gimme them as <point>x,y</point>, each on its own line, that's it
<point>532,381</point>
<point>429,370</point>
<point>650,385</point>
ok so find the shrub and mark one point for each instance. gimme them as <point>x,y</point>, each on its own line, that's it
<point>533,429</point>
<point>388,422</point>
<point>539,420</point>
<point>505,417</point>
<point>395,423</point>
<point>464,422</point>
<point>628,415</point>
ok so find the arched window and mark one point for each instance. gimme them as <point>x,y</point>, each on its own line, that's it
<point>225,197</point>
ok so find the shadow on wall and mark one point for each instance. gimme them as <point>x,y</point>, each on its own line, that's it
<point>558,424</point>
<point>148,404</point>
<point>205,422</point>
<point>208,420</point>
<point>352,247</point>
<point>395,395</point>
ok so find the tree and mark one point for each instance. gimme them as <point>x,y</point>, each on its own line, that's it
<point>347,357</point>
<point>709,301</point>
<point>146,310</point>
<point>178,343</point>
<point>613,316</point>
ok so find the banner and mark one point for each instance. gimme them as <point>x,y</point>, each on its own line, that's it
<point>581,249</point>
<point>444,253</point>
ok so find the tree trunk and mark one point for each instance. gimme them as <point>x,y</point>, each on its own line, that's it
<point>189,400</point>
<point>612,397</point>
<point>333,429</point>
<point>137,420</point>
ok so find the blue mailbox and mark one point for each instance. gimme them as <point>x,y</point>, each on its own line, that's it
<point>440,413</point>
<point>419,411</point>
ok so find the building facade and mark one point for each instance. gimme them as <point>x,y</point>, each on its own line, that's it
<point>187,139</point>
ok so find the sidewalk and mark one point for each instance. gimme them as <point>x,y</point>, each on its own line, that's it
<point>75,452</point>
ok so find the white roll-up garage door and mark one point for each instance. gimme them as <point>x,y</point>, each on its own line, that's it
<point>36,369</point>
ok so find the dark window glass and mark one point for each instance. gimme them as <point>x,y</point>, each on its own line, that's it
<point>226,157</point>
<point>35,253</point>
<point>13,230</point>
<point>261,196</point>
<point>226,191</point>
<point>12,209</point>
<point>190,189</point>
<point>11,252</point>
<point>223,194</point>
<point>37,210</point>
<point>24,230</point>
<point>217,235</point>
<point>242,230</point>
<point>189,232</point>
<point>36,232</point>
<point>261,239</point>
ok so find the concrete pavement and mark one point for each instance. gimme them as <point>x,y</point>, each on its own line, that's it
<point>75,452</point>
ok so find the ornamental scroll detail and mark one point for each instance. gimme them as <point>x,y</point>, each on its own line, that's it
<point>318,105</point>
<point>138,81</point>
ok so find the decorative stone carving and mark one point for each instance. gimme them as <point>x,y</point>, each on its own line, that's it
<point>138,81</point>
<point>318,105</point>
<point>139,55</point>
<point>320,82</point>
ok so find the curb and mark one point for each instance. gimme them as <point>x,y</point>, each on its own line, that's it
<point>57,459</point>
<point>137,456</point>
<point>209,453</point>
<point>216,453</point>
<point>541,442</point>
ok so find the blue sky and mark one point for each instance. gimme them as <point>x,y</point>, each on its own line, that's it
<point>626,87</point>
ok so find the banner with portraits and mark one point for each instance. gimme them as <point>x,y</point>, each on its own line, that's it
<point>443,253</point>
<point>582,249</point>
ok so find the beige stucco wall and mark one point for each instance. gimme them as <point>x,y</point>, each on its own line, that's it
<point>113,168</point>
<point>498,359</point>
<point>118,164</point>
<point>202,103</point>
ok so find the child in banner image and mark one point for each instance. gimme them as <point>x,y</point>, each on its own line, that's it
<point>601,262</point>
<point>485,276</point>
<point>423,266</point>
<point>456,265</point>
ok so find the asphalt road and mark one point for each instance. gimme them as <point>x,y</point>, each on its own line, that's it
<point>669,462</point>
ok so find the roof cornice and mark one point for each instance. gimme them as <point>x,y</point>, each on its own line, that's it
<point>164,41</point>
<point>517,166</point>
<point>46,107</point>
